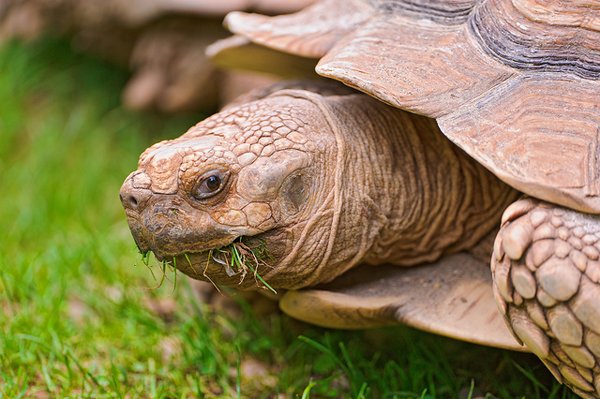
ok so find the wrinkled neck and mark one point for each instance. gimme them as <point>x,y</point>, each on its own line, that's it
<point>392,189</point>
<point>409,195</point>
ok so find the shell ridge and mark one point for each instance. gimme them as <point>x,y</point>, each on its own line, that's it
<point>519,42</point>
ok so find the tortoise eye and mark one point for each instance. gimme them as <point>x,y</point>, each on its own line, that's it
<point>213,183</point>
<point>210,184</point>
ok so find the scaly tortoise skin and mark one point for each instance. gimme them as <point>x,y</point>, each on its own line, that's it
<point>546,273</point>
<point>514,83</point>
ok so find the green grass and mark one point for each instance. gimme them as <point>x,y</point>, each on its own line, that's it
<point>238,258</point>
<point>79,314</point>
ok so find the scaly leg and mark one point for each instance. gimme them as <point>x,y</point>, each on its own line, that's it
<point>546,281</point>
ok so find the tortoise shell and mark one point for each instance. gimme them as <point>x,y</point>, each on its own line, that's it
<point>515,83</point>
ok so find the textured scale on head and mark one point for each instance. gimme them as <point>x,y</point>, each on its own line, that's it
<point>249,171</point>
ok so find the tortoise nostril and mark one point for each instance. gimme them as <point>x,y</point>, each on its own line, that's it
<point>132,201</point>
<point>133,198</point>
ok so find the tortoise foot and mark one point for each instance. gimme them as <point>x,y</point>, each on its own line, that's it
<point>546,273</point>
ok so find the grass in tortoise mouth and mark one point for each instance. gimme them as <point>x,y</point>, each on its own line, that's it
<point>237,258</point>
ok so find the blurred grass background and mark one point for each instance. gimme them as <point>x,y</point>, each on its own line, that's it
<point>79,314</point>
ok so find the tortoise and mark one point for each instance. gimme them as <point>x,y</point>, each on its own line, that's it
<point>162,41</point>
<point>477,115</point>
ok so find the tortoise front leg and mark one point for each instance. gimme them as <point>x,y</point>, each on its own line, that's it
<point>546,281</point>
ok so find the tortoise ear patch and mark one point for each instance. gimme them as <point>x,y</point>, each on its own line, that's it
<point>263,179</point>
<point>294,191</point>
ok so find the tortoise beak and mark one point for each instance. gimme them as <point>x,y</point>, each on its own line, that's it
<point>134,201</point>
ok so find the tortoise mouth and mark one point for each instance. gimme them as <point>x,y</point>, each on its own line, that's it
<point>168,256</point>
<point>232,262</point>
<point>167,247</point>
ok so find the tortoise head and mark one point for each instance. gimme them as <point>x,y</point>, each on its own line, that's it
<point>255,172</point>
